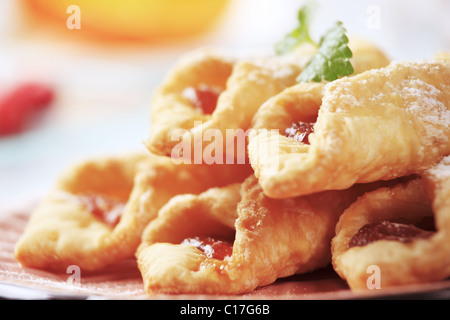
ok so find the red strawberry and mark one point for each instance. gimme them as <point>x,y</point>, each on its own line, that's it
<point>18,106</point>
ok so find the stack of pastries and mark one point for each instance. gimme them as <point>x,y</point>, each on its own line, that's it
<point>251,176</point>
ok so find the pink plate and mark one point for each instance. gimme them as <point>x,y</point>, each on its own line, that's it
<point>122,280</point>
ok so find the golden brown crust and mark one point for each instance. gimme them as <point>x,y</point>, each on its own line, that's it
<point>378,125</point>
<point>170,109</point>
<point>366,55</point>
<point>246,84</point>
<point>62,231</point>
<point>276,238</point>
<point>420,261</point>
<point>273,238</point>
<point>166,265</point>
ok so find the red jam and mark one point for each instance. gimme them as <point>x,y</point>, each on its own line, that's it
<point>203,97</point>
<point>106,209</point>
<point>386,230</point>
<point>300,131</point>
<point>215,249</point>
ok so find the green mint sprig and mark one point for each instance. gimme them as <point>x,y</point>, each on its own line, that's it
<point>332,59</point>
<point>300,34</point>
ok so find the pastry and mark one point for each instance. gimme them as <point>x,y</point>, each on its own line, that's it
<point>74,224</point>
<point>398,235</point>
<point>378,125</point>
<point>98,209</point>
<point>168,263</point>
<point>233,239</point>
<point>209,99</point>
<point>208,92</point>
<point>366,55</point>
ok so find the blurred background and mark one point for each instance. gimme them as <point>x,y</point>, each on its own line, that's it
<point>76,77</point>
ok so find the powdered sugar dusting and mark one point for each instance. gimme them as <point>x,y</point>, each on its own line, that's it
<point>273,68</point>
<point>420,88</point>
<point>442,169</point>
<point>423,100</point>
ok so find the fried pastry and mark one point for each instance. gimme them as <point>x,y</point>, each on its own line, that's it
<point>208,91</point>
<point>168,263</point>
<point>398,235</point>
<point>366,55</point>
<point>378,125</point>
<point>211,91</point>
<point>188,93</point>
<point>73,223</point>
<point>234,239</point>
<point>97,211</point>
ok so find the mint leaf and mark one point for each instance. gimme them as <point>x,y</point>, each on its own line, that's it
<point>332,60</point>
<point>300,34</point>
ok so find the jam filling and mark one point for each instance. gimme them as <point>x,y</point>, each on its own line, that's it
<point>203,97</point>
<point>213,248</point>
<point>106,209</point>
<point>386,230</point>
<point>300,131</point>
